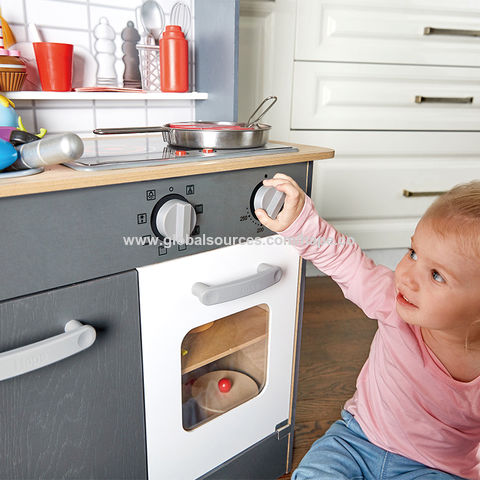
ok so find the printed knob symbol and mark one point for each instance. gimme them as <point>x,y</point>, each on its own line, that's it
<point>224,385</point>
<point>270,199</point>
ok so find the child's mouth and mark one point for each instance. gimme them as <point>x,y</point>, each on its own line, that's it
<point>403,300</point>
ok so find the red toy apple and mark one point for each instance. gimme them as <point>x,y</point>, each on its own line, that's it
<point>224,385</point>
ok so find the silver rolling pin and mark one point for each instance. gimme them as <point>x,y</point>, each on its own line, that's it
<point>51,150</point>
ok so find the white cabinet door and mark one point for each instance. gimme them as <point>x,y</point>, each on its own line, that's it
<point>342,96</point>
<point>378,31</point>
<point>169,310</point>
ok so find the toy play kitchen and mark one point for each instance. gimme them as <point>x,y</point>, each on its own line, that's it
<point>130,358</point>
<point>141,335</point>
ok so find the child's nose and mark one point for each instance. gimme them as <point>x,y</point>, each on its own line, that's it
<point>409,278</point>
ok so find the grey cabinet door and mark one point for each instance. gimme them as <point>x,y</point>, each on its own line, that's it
<point>82,417</point>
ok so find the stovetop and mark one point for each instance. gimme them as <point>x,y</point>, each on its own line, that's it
<point>109,153</point>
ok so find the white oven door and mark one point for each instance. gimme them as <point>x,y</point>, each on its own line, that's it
<point>218,337</point>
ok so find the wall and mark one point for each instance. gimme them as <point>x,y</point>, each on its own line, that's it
<point>73,21</point>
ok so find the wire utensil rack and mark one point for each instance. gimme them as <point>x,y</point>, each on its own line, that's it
<point>149,67</point>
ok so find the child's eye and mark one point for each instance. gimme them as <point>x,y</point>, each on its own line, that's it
<point>412,254</point>
<point>437,277</point>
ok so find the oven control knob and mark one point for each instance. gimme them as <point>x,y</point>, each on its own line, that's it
<point>175,220</point>
<point>270,199</point>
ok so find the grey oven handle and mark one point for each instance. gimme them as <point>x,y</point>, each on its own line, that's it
<point>266,276</point>
<point>77,337</point>
<point>422,99</point>
<point>451,31</point>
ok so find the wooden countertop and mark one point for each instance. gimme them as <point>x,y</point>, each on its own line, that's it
<point>59,177</point>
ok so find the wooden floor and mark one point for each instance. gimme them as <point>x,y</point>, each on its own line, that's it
<point>336,337</point>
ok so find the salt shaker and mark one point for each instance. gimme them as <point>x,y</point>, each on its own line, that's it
<point>105,53</point>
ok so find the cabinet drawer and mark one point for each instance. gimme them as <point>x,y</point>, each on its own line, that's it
<point>340,96</point>
<point>372,190</point>
<point>360,190</point>
<point>370,171</point>
<point>426,32</point>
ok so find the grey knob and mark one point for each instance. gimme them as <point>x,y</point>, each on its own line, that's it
<point>270,199</point>
<point>176,220</point>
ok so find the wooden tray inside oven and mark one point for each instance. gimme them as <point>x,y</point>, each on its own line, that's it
<point>227,335</point>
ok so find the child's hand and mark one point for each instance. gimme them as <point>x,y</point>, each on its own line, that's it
<point>294,201</point>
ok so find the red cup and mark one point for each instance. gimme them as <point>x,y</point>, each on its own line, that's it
<point>54,62</point>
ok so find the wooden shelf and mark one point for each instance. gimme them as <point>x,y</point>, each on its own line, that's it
<point>227,335</point>
<point>39,95</point>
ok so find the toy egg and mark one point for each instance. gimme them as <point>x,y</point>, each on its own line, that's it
<point>8,154</point>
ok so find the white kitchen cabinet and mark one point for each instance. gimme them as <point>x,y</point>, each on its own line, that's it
<point>398,106</point>
<point>360,191</point>
<point>348,96</point>
<point>424,32</point>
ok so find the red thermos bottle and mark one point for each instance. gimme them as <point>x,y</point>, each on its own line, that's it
<point>173,60</point>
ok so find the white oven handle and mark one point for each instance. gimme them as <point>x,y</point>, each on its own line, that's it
<point>266,276</point>
<point>77,337</point>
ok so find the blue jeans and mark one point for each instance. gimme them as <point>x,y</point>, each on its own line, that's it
<point>344,453</point>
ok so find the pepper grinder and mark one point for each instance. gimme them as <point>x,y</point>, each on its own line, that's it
<point>131,74</point>
<point>105,53</point>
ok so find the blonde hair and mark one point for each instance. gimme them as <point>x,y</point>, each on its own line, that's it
<point>457,212</point>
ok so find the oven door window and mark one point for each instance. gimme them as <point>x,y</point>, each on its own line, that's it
<point>223,364</point>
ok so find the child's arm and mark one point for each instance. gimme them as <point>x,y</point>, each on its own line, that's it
<point>369,286</point>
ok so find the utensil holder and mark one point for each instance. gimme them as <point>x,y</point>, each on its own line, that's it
<point>149,67</point>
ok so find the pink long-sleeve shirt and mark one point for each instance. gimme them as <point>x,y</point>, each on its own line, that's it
<point>406,401</point>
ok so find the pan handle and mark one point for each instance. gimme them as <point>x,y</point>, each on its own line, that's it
<point>251,122</point>
<point>123,130</point>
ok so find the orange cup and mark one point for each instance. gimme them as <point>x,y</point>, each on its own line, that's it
<point>54,62</point>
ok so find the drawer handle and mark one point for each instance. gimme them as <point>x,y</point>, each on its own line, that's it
<point>408,193</point>
<point>451,31</point>
<point>77,337</point>
<point>422,99</point>
<point>266,276</point>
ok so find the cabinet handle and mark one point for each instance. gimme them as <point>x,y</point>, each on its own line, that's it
<point>422,99</point>
<point>408,193</point>
<point>77,337</point>
<point>451,31</point>
<point>266,276</point>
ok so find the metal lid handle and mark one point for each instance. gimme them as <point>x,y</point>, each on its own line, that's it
<point>251,122</point>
